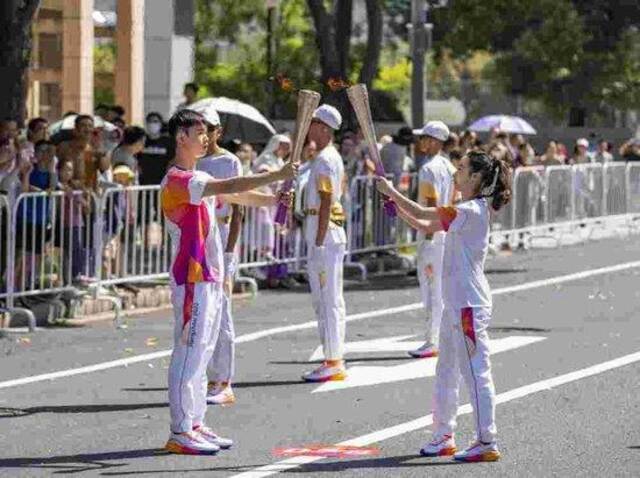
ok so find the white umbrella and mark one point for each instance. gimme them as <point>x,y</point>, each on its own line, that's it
<point>61,130</point>
<point>505,123</point>
<point>238,119</point>
<point>70,123</point>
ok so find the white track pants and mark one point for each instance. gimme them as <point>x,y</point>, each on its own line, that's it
<point>222,364</point>
<point>197,324</point>
<point>464,351</point>
<point>328,301</point>
<point>430,256</point>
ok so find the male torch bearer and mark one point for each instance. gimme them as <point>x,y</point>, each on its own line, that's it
<point>308,101</point>
<point>359,98</point>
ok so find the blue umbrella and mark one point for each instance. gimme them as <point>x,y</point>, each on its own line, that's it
<point>507,124</point>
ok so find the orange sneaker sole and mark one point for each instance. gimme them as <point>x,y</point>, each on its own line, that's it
<point>488,456</point>
<point>331,378</point>
<point>176,448</point>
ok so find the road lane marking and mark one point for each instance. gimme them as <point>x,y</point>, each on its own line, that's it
<point>425,421</point>
<point>366,375</point>
<point>313,324</point>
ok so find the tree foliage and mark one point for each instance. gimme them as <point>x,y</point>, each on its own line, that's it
<point>563,52</point>
<point>559,53</point>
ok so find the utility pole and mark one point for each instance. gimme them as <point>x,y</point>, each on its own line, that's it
<point>418,50</point>
<point>420,34</point>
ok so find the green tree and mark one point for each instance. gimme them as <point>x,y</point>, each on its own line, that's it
<point>562,52</point>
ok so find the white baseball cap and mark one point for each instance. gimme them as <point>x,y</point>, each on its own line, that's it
<point>583,142</point>
<point>210,115</point>
<point>329,116</point>
<point>435,129</point>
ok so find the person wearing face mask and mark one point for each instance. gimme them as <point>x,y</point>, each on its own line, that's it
<point>154,158</point>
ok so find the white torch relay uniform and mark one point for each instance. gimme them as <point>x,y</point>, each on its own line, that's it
<point>464,342</point>
<point>196,278</point>
<point>326,174</point>
<point>435,182</point>
<point>222,364</point>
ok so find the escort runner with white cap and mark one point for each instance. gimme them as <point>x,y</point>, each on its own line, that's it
<point>326,242</point>
<point>196,273</point>
<point>222,164</point>
<point>435,188</point>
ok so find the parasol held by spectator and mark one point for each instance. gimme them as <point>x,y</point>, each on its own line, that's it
<point>63,130</point>
<point>504,123</point>
<point>239,120</point>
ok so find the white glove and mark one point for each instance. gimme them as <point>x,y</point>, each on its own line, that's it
<point>230,265</point>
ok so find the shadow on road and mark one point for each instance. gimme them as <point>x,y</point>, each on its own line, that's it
<point>273,383</point>
<point>69,464</point>
<point>349,360</point>
<point>120,407</point>
<point>402,461</point>
<point>390,462</point>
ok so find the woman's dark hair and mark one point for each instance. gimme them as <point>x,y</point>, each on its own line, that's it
<point>132,134</point>
<point>496,177</point>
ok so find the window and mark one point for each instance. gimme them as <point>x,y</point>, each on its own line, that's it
<point>49,50</point>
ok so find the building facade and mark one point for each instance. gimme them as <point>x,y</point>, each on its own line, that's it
<point>154,55</point>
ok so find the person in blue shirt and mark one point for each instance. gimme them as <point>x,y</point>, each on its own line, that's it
<point>33,220</point>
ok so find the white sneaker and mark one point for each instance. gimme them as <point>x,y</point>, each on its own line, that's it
<point>326,373</point>
<point>221,396</point>
<point>210,437</point>
<point>445,446</point>
<point>479,451</point>
<point>190,443</point>
<point>424,351</point>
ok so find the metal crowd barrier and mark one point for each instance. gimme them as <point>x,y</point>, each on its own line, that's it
<point>60,243</point>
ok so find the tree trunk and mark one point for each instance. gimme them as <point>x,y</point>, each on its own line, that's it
<point>325,35</point>
<point>16,17</point>
<point>374,42</point>
<point>343,15</point>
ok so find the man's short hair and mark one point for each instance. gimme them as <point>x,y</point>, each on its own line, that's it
<point>33,123</point>
<point>154,115</point>
<point>43,143</point>
<point>80,118</point>
<point>184,119</point>
<point>193,86</point>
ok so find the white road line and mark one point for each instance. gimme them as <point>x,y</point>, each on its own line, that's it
<point>313,324</point>
<point>427,420</point>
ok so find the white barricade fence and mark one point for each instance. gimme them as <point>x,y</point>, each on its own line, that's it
<point>369,228</point>
<point>134,242</point>
<point>615,189</point>
<point>528,197</point>
<point>559,194</point>
<point>588,191</point>
<point>54,242</point>
<point>633,187</point>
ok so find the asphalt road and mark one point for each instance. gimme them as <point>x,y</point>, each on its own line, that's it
<point>113,422</point>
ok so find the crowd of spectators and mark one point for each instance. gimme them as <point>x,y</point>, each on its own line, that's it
<point>82,156</point>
